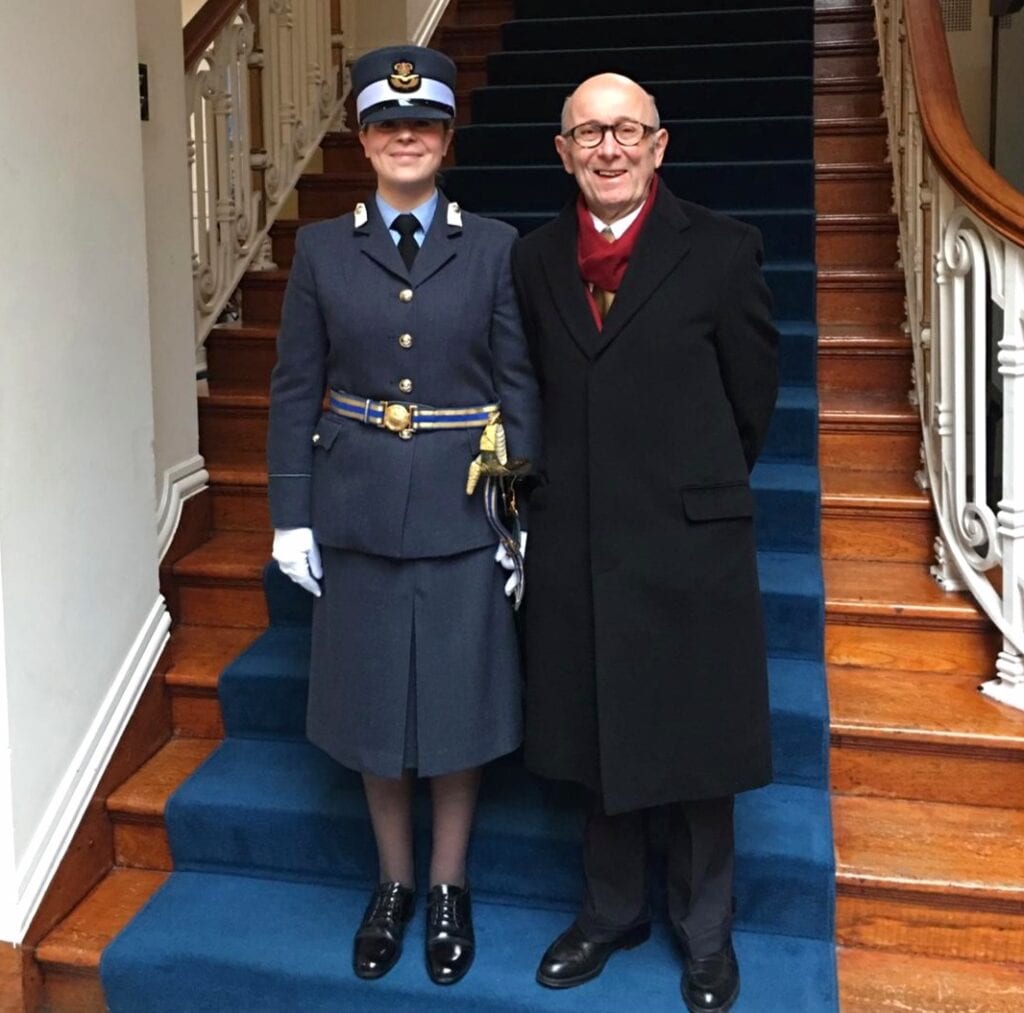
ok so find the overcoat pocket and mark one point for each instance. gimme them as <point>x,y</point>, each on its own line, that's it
<point>718,502</point>
<point>326,433</point>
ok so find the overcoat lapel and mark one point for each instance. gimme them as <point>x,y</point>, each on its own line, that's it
<point>438,246</point>
<point>378,245</point>
<point>659,248</point>
<point>567,290</point>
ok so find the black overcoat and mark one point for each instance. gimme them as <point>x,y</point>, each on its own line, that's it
<point>646,670</point>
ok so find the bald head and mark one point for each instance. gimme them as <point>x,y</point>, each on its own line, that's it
<point>613,177</point>
<point>609,90</point>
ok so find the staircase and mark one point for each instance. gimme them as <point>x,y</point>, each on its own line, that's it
<point>927,776</point>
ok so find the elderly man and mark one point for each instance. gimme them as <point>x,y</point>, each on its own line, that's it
<point>651,334</point>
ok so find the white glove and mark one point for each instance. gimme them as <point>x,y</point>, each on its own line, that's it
<point>298,557</point>
<point>505,560</point>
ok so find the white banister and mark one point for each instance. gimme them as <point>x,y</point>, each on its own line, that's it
<point>965,309</point>
<point>244,166</point>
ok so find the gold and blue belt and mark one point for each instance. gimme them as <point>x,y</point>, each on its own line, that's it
<point>405,419</point>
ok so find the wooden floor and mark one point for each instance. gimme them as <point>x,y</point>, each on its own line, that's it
<point>928,775</point>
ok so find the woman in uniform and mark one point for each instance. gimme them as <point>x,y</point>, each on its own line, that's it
<point>403,315</point>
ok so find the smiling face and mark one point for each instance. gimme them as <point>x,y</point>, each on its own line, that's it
<point>614,179</point>
<point>405,155</point>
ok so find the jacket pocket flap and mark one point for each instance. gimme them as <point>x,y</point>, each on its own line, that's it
<point>326,433</point>
<point>718,502</point>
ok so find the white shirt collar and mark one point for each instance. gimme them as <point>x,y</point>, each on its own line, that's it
<point>621,225</point>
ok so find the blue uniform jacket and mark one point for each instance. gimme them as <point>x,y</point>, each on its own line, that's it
<point>364,488</point>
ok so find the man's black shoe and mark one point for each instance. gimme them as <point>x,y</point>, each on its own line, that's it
<point>378,942</point>
<point>451,944</point>
<point>573,958</point>
<point>711,984</point>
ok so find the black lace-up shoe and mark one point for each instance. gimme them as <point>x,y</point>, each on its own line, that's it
<point>711,984</point>
<point>574,958</point>
<point>378,942</point>
<point>451,944</point>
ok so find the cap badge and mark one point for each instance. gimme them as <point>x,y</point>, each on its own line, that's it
<point>403,77</point>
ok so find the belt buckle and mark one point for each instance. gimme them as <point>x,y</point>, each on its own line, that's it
<point>398,418</point>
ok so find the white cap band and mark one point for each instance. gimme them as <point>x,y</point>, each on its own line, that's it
<point>381,91</point>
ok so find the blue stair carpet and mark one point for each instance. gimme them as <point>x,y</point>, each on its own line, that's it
<point>272,848</point>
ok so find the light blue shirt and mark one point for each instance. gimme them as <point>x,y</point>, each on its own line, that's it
<point>424,215</point>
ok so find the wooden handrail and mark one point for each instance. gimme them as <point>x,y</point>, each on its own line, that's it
<point>980,187</point>
<point>203,27</point>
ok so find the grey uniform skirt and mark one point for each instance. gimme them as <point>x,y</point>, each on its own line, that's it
<point>415,663</point>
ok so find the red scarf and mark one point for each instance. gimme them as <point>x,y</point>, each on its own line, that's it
<point>603,264</point>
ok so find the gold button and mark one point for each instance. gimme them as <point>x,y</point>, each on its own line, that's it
<point>405,295</point>
<point>405,340</point>
<point>405,386</point>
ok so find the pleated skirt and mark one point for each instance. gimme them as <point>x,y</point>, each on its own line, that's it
<point>415,663</point>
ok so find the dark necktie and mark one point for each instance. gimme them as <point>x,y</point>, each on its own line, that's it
<point>406,225</point>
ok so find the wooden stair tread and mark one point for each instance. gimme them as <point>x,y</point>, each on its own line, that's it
<point>929,848</point>
<point>873,981</point>
<point>198,654</point>
<point>923,708</point>
<point>894,490</point>
<point>244,468</point>
<point>79,940</point>
<point>838,337</point>
<point>838,221</point>
<point>247,332</point>
<point>145,793</point>
<point>274,276</point>
<point>227,555</point>
<point>850,125</point>
<point>236,397</point>
<point>856,587</point>
<point>862,277</point>
<point>878,407</point>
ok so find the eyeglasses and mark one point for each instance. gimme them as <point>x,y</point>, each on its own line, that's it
<point>628,133</point>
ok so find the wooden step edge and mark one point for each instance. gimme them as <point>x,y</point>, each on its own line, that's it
<point>967,895</point>
<point>78,942</point>
<point>875,507</point>
<point>869,221</point>
<point>845,47</point>
<point>919,614</point>
<point>895,739</point>
<point>848,126</point>
<point>244,332</point>
<point>873,278</point>
<point>272,276</point>
<point>142,798</point>
<point>254,399</point>
<point>852,170</point>
<point>842,344</point>
<point>867,419</point>
<point>242,477</point>
<point>849,84</point>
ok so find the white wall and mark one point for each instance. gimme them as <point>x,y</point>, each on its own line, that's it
<point>178,468</point>
<point>971,56</point>
<point>1009,155</point>
<point>81,608</point>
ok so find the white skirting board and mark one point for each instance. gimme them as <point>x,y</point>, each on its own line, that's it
<point>52,837</point>
<point>425,29</point>
<point>184,479</point>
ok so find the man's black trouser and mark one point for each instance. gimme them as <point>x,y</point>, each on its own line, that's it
<point>699,866</point>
